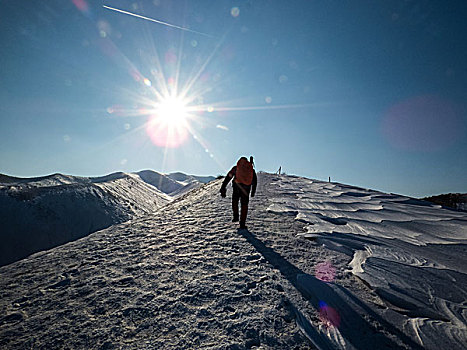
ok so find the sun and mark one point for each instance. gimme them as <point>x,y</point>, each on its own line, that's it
<point>172,111</point>
<point>168,125</point>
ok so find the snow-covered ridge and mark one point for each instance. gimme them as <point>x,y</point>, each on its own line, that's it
<point>43,212</point>
<point>185,278</point>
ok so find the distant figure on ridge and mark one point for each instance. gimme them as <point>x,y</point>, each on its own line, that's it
<point>244,180</point>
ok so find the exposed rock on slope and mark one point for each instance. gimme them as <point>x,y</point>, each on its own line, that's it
<point>452,200</point>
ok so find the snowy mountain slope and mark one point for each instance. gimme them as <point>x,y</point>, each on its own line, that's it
<point>49,180</point>
<point>160,181</point>
<point>187,179</point>
<point>166,183</point>
<point>174,184</point>
<point>185,278</point>
<point>39,218</point>
<point>45,212</point>
<point>141,197</point>
<point>180,279</point>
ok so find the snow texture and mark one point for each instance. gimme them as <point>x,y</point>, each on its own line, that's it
<point>322,265</point>
<point>410,252</point>
<point>41,213</point>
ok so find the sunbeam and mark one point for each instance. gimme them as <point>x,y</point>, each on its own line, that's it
<point>195,78</point>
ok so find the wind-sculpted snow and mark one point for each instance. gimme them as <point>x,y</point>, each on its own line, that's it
<point>411,252</point>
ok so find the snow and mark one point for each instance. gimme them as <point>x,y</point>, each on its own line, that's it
<point>411,252</point>
<point>322,265</point>
<point>163,183</point>
<point>174,184</point>
<point>43,212</point>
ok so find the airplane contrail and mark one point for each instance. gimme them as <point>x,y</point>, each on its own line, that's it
<point>155,20</point>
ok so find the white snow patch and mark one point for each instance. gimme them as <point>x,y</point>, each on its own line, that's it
<point>358,260</point>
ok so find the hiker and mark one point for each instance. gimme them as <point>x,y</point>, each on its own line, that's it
<point>244,180</point>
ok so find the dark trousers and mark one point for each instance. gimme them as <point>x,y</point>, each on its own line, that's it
<point>241,193</point>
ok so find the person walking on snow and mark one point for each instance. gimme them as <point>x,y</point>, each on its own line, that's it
<point>244,180</point>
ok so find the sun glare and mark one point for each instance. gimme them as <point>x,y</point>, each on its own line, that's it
<point>168,126</point>
<point>174,106</point>
<point>172,111</point>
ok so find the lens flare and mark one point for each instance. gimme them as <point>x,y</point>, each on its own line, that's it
<point>172,99</point>
<point>328,315</point>
<point>325,272</point>
<point>81,5</point>
<point>423,123</point>
<point>235,11</point>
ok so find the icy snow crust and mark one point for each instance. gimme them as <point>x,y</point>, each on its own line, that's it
<point>183,277</point>
<point>40,213</point>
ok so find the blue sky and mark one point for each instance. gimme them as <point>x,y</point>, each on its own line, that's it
<point>371,93</point>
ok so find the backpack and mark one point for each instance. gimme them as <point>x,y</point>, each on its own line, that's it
<point>244,173</point>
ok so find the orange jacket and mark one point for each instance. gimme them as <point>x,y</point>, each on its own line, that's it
<point>231,175</point>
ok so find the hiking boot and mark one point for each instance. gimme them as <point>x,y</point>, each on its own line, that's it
<point>242,225</point>
<point>235,219</point>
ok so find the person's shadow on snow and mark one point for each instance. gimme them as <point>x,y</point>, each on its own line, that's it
<point>352,326</point>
